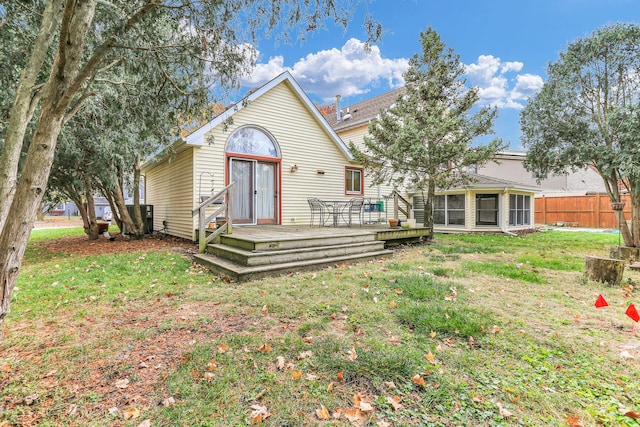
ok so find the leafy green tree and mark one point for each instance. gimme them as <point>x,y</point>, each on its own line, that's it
<point>88,38</point>
<point>586,115</point>
<point>424,140</point>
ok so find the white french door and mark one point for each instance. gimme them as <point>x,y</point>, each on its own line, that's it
<point>255,195</point>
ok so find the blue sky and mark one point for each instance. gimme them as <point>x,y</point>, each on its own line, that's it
<point>504,44</point>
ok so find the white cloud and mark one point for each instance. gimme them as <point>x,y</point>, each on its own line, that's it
<point>350,70</point>
<point>495,85</point>
<point>527,85</point>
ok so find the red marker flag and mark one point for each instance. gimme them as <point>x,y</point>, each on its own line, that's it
<point>601,302</point>
<point>633,313</point>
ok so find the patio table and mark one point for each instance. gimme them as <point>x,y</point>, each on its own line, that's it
<point>337,206</point>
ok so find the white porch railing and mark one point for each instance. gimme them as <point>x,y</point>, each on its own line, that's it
<point>204,220</point>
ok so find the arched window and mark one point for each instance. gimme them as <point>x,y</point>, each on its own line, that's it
<point>253,141</point>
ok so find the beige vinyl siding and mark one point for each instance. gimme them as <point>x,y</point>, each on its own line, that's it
<point>170,191</point>
<point>375,192</point>
<point>355,135</point>
<point>302,141</point>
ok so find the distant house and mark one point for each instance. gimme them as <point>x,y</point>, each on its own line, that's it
<point>276,148</point>
<point>509,164</point>
<point>494,201</point>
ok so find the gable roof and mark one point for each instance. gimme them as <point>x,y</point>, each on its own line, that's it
<point>365,111</point>
<point>197,137</point>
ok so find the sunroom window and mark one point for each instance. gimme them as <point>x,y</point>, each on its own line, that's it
<point>487,209</point>
<point>448,209</point>
<point>519,209</point>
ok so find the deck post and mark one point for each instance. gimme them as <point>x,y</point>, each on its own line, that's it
<point>202,232</point>
<point>230,209</point>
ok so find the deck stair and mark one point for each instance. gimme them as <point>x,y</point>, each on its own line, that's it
<point>243,258</point>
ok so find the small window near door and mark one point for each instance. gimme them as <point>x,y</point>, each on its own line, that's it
<point>519,209</point>
<point>486,209</point>
<point>354,181</point>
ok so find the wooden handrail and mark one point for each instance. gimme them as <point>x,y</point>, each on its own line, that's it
<point>204,219</point>
<point>396,206</point>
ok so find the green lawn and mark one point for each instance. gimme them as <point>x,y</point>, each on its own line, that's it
<point>471,330</point>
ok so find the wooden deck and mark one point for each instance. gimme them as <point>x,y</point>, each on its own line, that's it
<point>253,252</point>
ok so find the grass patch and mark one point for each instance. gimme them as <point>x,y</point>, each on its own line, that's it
<point>515,271</point>
<point>541,351</point>
<point>430,305</point>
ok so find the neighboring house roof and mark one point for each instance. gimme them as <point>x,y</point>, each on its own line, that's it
<point>197,137</point>
<point>365,111</point>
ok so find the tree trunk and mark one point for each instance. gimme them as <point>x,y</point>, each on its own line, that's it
<point>83,212</point>
<point>625,253</point>
<point>26,202</point>
<point>114,209</point>
<point>91,226</point>
<point>60,90</point>
<point>428,208</point>
<point>634,196</point>
<point>137,216</point>
<point>23,107</point>
<point>611,184</point>
<point>127,222</point>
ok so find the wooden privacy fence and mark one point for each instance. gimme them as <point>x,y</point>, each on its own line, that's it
<point>592,211</point>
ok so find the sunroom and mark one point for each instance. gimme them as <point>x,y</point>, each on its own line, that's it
<point>485,205</point>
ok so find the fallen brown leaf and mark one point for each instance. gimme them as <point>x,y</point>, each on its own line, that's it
<point>431,358</point>
<point>417,379</point>
<point>131,413</point>
<point>323,413</point>
<point>264,348</point>
<point>352,354</point>
<point>394,402</point>
<point>574,421</point>
<point>504,412</point>
<point>355,415</point>
<point>122,383</point>
<point>632,414</point>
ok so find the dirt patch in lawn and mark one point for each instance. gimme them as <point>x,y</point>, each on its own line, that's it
<point>80,245</point>
<point>127,355</point>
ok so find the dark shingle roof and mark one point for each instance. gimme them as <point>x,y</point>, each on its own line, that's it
<point>363,112</point>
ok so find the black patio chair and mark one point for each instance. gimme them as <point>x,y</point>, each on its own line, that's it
<point>319,209</point>
<point>353,208</point>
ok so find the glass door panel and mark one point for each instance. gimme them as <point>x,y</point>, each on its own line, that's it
<point>242,173</point>
<point>266,194</point>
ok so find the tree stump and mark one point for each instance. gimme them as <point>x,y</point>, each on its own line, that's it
<point>625,253</point>
<point>607,270</point>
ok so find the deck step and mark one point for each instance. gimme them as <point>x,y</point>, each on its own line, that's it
<point>244,273</point>
<point>250,258</point>
<point>294,242</point>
